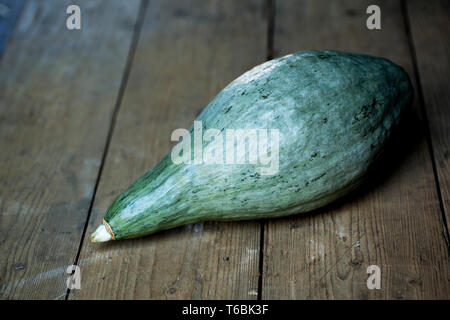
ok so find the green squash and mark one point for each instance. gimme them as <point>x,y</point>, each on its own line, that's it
<point>333,112</point>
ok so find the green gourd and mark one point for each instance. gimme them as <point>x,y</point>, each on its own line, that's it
<point>333,112</point>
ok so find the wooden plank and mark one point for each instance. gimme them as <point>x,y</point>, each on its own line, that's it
<point>9,14</point>
<point>58,88</point>
<point>429,23</point>
<point>187,52</point>
<point>395,222</point>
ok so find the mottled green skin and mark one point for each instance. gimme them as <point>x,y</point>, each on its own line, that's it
<point>334,112</point>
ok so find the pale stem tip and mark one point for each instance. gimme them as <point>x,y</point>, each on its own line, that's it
<point>101,234</point>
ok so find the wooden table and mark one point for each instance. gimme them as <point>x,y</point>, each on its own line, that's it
<point>83,113</point>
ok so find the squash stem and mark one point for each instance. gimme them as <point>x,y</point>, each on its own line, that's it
<point>101,234</point>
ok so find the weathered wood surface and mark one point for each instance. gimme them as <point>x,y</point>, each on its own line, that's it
<point>57,95</point>
<point>430,32</point>
<point>396,222</point>
<point>59,90</point>
<point>9,14</point>
<point>187,52</point>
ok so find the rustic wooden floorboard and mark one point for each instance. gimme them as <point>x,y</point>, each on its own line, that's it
<point>394,222</point>
<point>57,95</point>
<point>429,22</point>
<point>187,52</point>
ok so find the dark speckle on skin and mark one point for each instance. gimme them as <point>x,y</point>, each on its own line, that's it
<point>227,109</point>
<point>318,177</point>
<point>323,56</point>
<point>365,111</point>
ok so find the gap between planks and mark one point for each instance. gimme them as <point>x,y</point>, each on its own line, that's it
<point>123,85</point>
<point>270,14</point>
<point>343,287</point>
<point>422,104</point>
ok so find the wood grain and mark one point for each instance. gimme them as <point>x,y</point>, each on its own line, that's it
<point>429,23</point>
<point>57,95</point>
<point>395,221</point>
<point>187,52</point>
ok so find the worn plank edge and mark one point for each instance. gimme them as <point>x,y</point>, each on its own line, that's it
<point>130,57</point>
<point>423,110</point>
